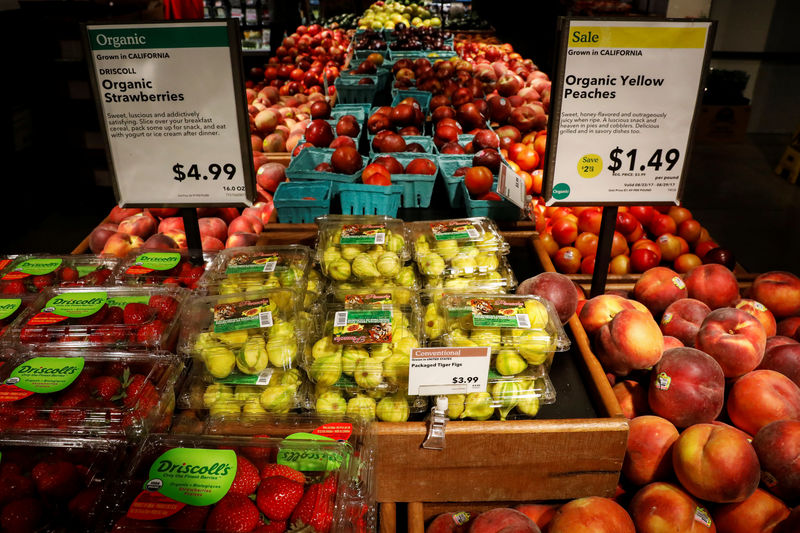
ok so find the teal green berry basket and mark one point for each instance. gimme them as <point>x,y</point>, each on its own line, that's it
<point>423,97</point>
<point>361,199</point>
<point>299,202</point>
<point>360,111</point>
<point>349,91</point>
<point>448,164</point>
<point>494,209</point>
<point>417,188</point>
<point>301,168</point>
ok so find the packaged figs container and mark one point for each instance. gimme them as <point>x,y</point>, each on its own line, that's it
<point>89,393</point>
<point>517,397</point>
<point>106,318</point>
<point>244,334</point>
<point>11,306</point>
<point>258,267</point>
<point>146,268</point>
<point>353,295</point>
<point>233,483</point>
<point>501,279</point>
<point>346,397</point>
<point>56,483</point>
<point>35,272</point>
<point>361,248</point>
<point>458,246</point>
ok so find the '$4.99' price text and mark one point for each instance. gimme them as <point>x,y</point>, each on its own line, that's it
<point>213,172</point>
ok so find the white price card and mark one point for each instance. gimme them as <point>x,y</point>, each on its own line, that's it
<point>171,103</point>
<point>454,370</point>
<point>623,105</point>
<point>511,186</point>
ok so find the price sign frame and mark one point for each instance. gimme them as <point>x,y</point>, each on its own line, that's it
<point>433,374</point>
<point>557,96</point>
<point>119,173</point>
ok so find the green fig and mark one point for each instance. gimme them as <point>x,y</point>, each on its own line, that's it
<point>331,404</point>
<point>361,407</point>
<point>339,270</point>
<point>327,369</point>
<point>217,392</point>
<point>325,346</point>
<point>219,361</point>
<point>509,363</point>
<point>478,406</point>
<point>252,358</point>
<point>278,399</point>
<point>350,252</point>
<point>388,264</point>
<point>395,368</point>
<point>393,408</point>
<point>282,351</point>
<point>368,373</point>
<point>351,356</point>
<point>364,268</point>
<point>507,395</point>
<point>432,265</point>
<point>455,405</point>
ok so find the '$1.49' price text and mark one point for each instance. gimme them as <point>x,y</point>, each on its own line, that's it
<point>670,158</point>
<point>214,171</point>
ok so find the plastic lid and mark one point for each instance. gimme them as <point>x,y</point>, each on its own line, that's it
<point>463,234</point>
<point>102,317</point>
<point>356,295</point>
<point>273,266</point>
<point>505,398</point>
<point>152,267</point>
<point>500,279</point>
<point>11,306</point>
<point>34,272</point>
<point>88,392</point>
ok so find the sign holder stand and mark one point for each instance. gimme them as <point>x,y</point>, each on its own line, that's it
<point>191,225</point>
<point>608,224</point>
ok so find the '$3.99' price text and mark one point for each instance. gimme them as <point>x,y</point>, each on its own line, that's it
<point>215,170</point>
<point>460,379</point>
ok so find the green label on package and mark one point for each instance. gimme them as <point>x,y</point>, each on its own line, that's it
<point>38,267</point>
<point>311,459</point>
<point>362,327</point>
<point>86,269</point>
<point>194,476</point>
<point>158,260</point>
<point>366,300</point>
<point>44,375</point>
<point>488,313</point>
<point>76,304</point>
<point>454,229</point>
<point>363,234</point>
<point>8,306</point>
<point>237,378</point>
<point>253,262</point>
<point>246,314</point>
<point>122,301</point>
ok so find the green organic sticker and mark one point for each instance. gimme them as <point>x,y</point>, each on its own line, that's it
<point>311,459</point>
<point>253,262</point>
<point>76,304</point>
<point>158,260</point>
<point>44,375</point>
<point>345,382</point>
<point>8,306</point>
<point>38,267</point>
<point>122,301</point>
<point>194,476</point>
<point>454,229</point>
<point>560,191</point>
<point>362,327</point>
<point>363,234</point>
<point>490,313</point>
<point>86,269</point>
<point>242,315</point>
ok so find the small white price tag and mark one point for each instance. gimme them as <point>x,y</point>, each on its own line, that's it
<point>511,186</point>
<point>436,371</point>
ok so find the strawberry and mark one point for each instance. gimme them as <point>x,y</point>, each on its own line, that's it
<point>95,278</point>
<point>246,480</point>
<point>97,318</point>
<point>107,335</point>
<point>66,410</point>
<point>13,287</point>
<point>150,334</point>
<point>138,390</point>
<point>136,314</point>
<point>14,486</point>
<point>57,480</point>
<point>234,513</point>
<point>192,276</point>
<point>106,387</point>
<point>22,516</point>
<point>68,274</point>
<point>165,306</point>
<point>189,519</point>
<point>258,452</point>
<point>82,506</point>
<point>33,335</point>
<point>273,526</point>
<point>115,316</point>
<point>288,472</point>
<point>316,507</point>
<point>44,281</point>
<point>278,496</point>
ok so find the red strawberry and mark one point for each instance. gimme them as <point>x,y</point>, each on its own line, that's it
<point>192,276</point>
<point>165,306</point>
<point>247,479</point>
<point>82,506</point>
<point>274,526</point>
<point>97,277</point>
<point>13,287</point>
<point>288,472</point>
<point>150,334</point>
<point>22,516</point>
<point>189,519</point>
<point>44,281</point>
<point>138,390</point>
<point>278,496</point>
<point>14,486</point>
<point>57,480</point>
<point>33,335</point>
<point>68,274</point>
<point>115,316</point>
<point>234,513</point>
<point>258,452</point>
<point>316,507</point>
<point>136,314</point>
<point>172,281</point>
<point>107,335</point>
<point>106,387</point>
<point>97,318</point>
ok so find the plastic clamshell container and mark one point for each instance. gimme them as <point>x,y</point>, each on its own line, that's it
<point>517,397</point>
<point>362,248</point>
<point>302,202</point>
<point>501,280</point>
<point>369,405</point>
<point>327,466</point>
<point>110,394</point>
<point>266,267</point>
<point>463,234</point>
<point>354,295</point>
<point>94,317</point>
<point>361,199</point>
<point>11,306</point>
<point>82,466</point>
<point>147,268</point>
<point>32,273</point>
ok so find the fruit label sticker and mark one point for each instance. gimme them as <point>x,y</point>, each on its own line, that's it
<point>152,261</point>
<point>666,319</point>
<point>237,378</point>
<point>335,431</point>
<point>311,459</point>
<point>498,314</point>
<point>43,375</point>
<point>34,267</point>
<point>122,301</point>
<point>362,327</point>
<point>8,306</point>
<point>768,479</point>
<point>194,476</point>
<point>510,186</point>
<point>246,314</point>
<point>363,234</point>
<point>454,229</point>
<point>354,301</point>
<point>345,382</point>
<point>460,518</point>
<point>452,370</point>
<point>253,262</point>
<point>69,305</point>
<point>663,381</point>
<point>702,516</point>
<point>678,282</point>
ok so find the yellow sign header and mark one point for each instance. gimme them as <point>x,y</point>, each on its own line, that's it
<point>638,37</point>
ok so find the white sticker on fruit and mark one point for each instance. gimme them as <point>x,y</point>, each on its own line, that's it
<point>511,186</point>
<point>702,516</point>
<point>454,370</point>
<point>663,381</point>
<point>666,319</point>
<point>759,307</point>
<point>678,282</point>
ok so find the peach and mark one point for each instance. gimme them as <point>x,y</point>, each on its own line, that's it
<point>267,120</point>
<point>745,436</point>
<point>121,244</point>
<point>664,508</point>
<point>212,244</point>
<point>777,340</point>
<point>658,288</point>
<point>734,338</point>
<point>503,519</point>
<point>632,398</point>
<point>255,214</point>
<point>670,246</point>
<point>779,291</point>
<point>672,342</point>
<point>759,513</point>
<point>540,513</point>
<point>591,515</point>
<point>714,285</point>
<point>558,289</point>
<point>244,224</point>
<point>759,310</point>
<point>448,523</point>
<point>160,241</point>
<point>240,239</point>
<point>648,456</point>
<point>687,387</point>
<point>715,463</point>
<point>761,397</point>
<point>788,326</point>
<point>118,214</point>
<point>599,311</point>
<point>631,341</point>
<point>99,236</point>
<point>778,448</point>
<point>783,358</point>
<point>682,319</point>
<point>141,224</point>
<point>791,524</point>
<point>179,237</point>
<point>213,227</point>
<point>686,262</point>
<point>227,214</point>
<point>171,224</point>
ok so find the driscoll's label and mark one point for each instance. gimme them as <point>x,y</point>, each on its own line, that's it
<point>8,307</point>
<point>34,267</point>
<point>193,476</point>
<point>44,375</point>
<point>311,459</point>
<point>69,305</point>
<point>153,261</point>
